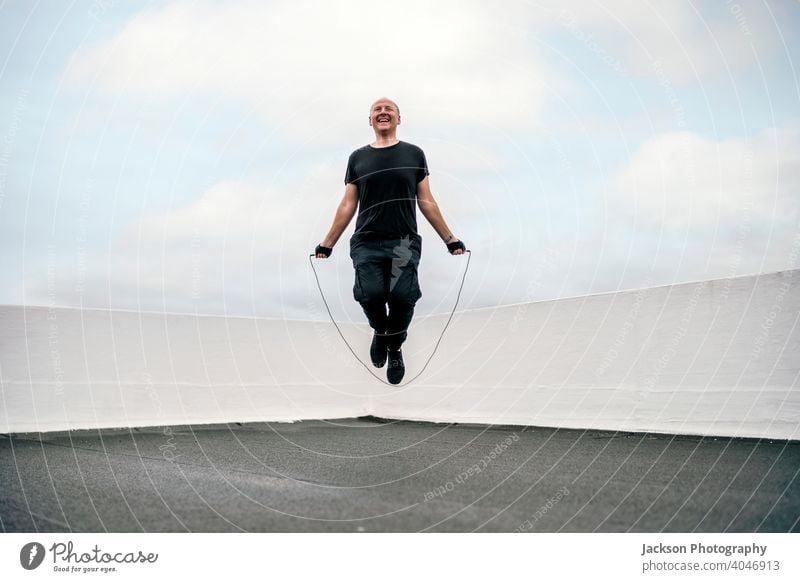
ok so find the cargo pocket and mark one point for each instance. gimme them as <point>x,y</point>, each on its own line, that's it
<point>358,290</point>
<point>416,292</point>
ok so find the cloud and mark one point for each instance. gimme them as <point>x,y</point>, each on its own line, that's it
<point>684,41</point>
<point>307,65</point>
<point>683,179</point>
<point>693,208</point>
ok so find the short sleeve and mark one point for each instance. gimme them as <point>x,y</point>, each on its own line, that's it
<point>350,175</point>
<point>423,167</point>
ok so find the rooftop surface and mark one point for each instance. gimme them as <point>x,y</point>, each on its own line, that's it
<point>370,475</point>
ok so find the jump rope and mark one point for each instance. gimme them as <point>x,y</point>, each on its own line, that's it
<point>352,351</point>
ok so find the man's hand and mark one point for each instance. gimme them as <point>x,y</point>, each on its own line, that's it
<point>323,252</point>
<point>456,247</point>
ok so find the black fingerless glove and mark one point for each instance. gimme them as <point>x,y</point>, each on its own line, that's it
<point>321,250</point>
<point>454,246</point>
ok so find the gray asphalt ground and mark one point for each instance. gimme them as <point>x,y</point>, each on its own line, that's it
<point>372,475</point>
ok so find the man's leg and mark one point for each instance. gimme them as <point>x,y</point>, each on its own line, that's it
<point>404,291</point>
<point>400,316</point>
<point>370,292</point>
<point>370,288</point>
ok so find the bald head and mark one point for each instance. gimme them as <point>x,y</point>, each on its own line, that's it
<point>383,100</point>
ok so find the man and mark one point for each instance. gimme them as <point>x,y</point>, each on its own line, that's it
<point>385,180</point>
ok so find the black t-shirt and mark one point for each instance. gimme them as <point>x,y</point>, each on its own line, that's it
<point>387,180</point>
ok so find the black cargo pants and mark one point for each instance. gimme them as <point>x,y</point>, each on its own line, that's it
<point>386,275</point>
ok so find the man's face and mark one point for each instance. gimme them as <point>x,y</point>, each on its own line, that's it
<point>384,115</point>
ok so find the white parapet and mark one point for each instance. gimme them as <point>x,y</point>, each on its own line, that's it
<point>709,358</point>
<point>68,368</point>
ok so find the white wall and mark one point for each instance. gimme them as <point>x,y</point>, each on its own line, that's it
<point>713,358</point>
<point>67,368</point>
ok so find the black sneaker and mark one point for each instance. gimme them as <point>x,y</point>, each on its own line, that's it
<point>396,369</point>
<point>377,351</point>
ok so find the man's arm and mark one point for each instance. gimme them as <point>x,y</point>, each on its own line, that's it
<point>344,214</point>
<point>430,210</point>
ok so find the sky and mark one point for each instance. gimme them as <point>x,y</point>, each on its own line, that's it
<point>187,156</point>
